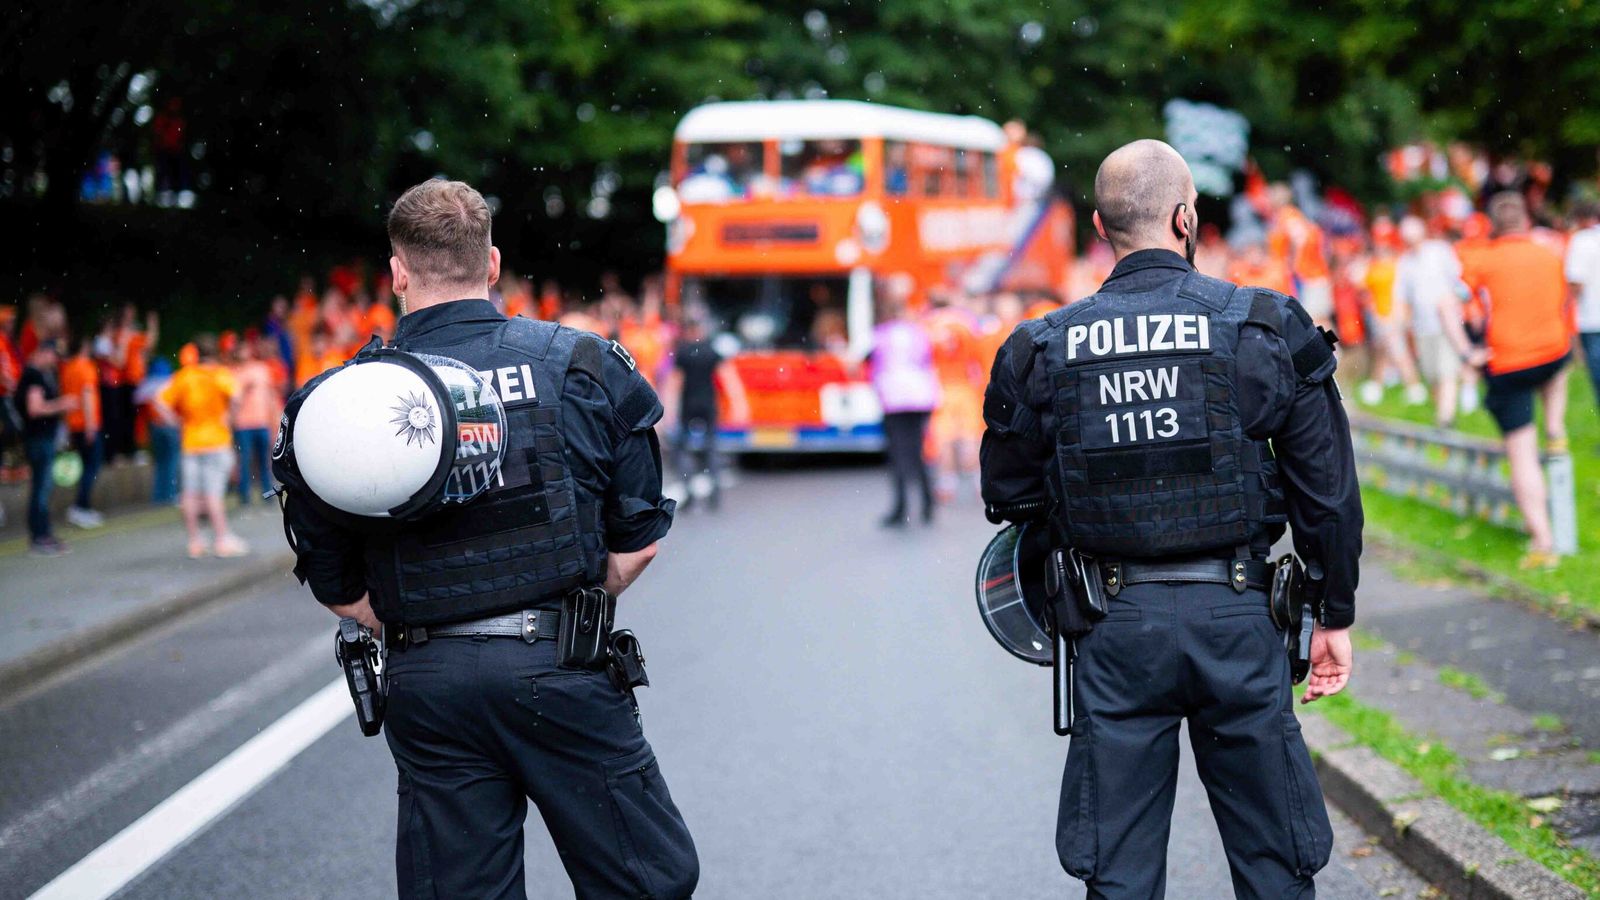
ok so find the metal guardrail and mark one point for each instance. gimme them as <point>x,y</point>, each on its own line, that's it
<point>1458,472</point>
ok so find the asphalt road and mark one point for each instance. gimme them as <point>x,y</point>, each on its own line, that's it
<point>830,715</point>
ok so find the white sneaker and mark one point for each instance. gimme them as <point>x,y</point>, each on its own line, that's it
<point>1469,399</point>
<point>84,518</point>
<point>1416,394</point>
<point>1370,393</point>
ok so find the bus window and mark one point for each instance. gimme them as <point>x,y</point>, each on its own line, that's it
<point>721,172</point>
<point>961,186</point>
<point>991,176</point>
<point>774,313</point>
<point>831,168</point>
<point>929,165</point>
<point>896,169</point>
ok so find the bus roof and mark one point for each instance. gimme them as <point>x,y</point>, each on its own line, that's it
<point>807,120</point>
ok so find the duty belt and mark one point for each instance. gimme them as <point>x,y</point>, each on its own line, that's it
<point>529,624</point>
<point>1240,575</point>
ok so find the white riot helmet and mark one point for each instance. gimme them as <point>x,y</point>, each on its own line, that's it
<point>394,435</point>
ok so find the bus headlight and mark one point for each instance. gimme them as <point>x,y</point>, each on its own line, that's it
<point>665,204</point>
<point>872,227</point>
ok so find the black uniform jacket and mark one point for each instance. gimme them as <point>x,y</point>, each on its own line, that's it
<point>616,462</point>
<point>1301,414</point>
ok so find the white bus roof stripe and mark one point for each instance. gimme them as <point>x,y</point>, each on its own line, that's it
<point>808,120</point>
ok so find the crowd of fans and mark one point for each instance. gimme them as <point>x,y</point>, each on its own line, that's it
<point>75,397</point>
<point>1451,312</point>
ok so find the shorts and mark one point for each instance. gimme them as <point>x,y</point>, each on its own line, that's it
<point>1316,298</point>
<point>206,473</point>
<point>1510,395</point>
<point>1436,358</point>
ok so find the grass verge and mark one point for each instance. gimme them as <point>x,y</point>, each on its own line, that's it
<point>1476,687</point>
<point>1491,548</point>
<point>1440,771</point>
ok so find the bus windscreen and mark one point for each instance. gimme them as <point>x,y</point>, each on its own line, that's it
<point>774,313</point>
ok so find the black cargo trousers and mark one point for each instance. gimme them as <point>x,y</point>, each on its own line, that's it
<point>480,725</point>
<point>1167,652</point>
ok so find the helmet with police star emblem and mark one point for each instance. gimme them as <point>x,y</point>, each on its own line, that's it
<point>394,435</point>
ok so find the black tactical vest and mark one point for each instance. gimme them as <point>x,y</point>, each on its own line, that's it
<point>1150,453</point>
<point>532,537</point>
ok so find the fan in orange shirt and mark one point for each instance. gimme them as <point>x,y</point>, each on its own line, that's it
<point>1041,307</point>
<point>957,423</point>
<point>1298,242</point>
<point>1523,286</point>
<point>80,377</point>
<point>1005,313</point>
<point>373,317</point>
<point>1255,267</point>
<point>303,316</point>
<point>198,399</point>
<point>1391,325</point>
<point>319,356</point>
<point>644,337</point>
<point>580,315</point>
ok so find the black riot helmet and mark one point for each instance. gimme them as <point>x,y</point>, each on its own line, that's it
<point>392,436</point>
<point>1011,591</point>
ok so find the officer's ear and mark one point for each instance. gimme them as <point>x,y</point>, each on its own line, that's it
<point>1180,222</point>
<point>494,265</point>
<point>1100,227</point>
<point>399,276</point>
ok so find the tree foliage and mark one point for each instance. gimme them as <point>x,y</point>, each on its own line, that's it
<point>326,111</point>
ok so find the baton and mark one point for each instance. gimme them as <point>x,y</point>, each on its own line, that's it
<point>1061,665</point>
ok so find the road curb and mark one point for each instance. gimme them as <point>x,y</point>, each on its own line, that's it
<point>25,672</point>
<point>1452,852</point>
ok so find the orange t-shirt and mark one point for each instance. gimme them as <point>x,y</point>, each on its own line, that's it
<point>1038,309</point>
<point>302,321</point>
<point>1526,293</point>
<point>1271,274</point>
<point>80,378</point>
<point>135,365</point>
<point>989,344</point>
<point>1379,281</point>
<point>956,356</point>
<point>646,342</point>
<point>376,319</point>
<point>200,394</point>
<point>1297,241</point>
<point>258,402</point>
<point>308,366</point>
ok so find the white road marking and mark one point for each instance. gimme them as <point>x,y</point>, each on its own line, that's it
<point>44,822</point>
<point>183,815</point>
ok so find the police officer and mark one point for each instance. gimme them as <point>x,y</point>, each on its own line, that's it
<point>481,717</point>
<point>1172,425</point>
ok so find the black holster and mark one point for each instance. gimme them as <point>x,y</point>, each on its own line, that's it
<point>626,663</point>
<point>584,640</point>
<point>361,658</point>
<point>1077,600</point>
<point>1293,613</point>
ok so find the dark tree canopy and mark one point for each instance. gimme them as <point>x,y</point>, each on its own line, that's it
<point>562,110</point>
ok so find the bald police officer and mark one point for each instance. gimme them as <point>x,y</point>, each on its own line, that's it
<point>474,603</point>
<point>1172,425</point>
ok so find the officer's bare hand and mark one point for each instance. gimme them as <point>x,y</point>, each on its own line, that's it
<point>623,568</point>
<point>1331,662</point>
<point>361,611</point>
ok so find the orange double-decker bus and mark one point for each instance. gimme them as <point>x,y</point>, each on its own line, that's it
<point>787,219</point>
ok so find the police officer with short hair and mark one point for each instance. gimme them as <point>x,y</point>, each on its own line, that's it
<point>475,601</point>
<point>1171,425</point>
